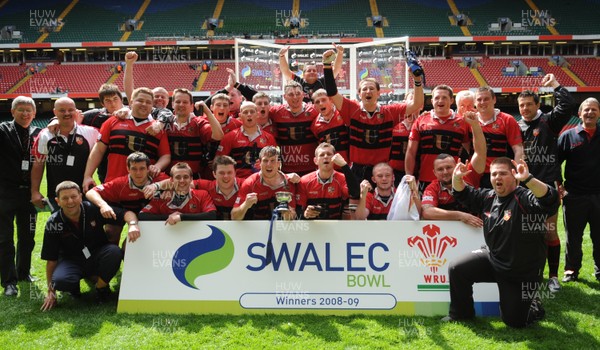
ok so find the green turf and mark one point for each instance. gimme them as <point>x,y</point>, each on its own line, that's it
<point>571,322</point>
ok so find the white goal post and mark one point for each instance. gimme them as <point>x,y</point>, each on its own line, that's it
<point>257,64</point>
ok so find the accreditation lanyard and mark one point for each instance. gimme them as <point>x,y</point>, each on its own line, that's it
<point>24,152</point>
<point>84,250</point>
<point>70,157</point>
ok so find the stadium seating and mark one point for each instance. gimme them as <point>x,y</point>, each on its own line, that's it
<point>11,74</point>
<point>587,69</point>
<point>573,17</point>
<point>168,75</point>
<point>26,15</point>
<point>325,17</point>
<point>409,17</point>
<point>491,70</point>
<point>184,18</point>
<point>449,72</point>
<point>217,78</point>
<point>91,20</point>
<point>74,77</point>
<point>482,13</point>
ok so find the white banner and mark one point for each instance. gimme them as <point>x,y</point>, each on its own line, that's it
<point>325,267</point>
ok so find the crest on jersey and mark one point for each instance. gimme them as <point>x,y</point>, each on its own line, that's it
<point>179,148</point>
<point>135,143</point>
<point>507,214</point>
<point>296,133</point>
<point>371,136</point>
<point>331,138</point>
<point>442,142</point>
<point>79,140</point>
<point>536,132</point>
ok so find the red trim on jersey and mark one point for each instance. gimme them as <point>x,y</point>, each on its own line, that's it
<point>245,152</point>
<point>199,201</point>
<point>371,137</point>
<point>434,138</point>
<point>330,195</point>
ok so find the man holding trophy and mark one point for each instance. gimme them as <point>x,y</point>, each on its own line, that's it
<point>261,191</point>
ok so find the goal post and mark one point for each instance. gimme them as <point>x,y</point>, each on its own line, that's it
<point>257,64</point>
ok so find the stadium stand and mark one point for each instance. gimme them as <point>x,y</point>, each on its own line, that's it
<point>572,17</point>
<point>168,75</point>
<point>184,19</point>
<point>75,77</point>
<point>403,21</point>
<point>10,75</point>
<point>449,72</point>
<point>217,78</point>
<point>587,69</point>
<point>102,21</point>
<point>28,17</point>
<point>483,13</point>
<point>324,15</point>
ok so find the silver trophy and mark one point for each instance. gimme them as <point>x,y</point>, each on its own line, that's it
<point>283,198</point>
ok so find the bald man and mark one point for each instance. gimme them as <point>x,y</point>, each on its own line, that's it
<point>63,153</point>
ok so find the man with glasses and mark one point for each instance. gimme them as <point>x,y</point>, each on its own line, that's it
<point>16,140</point>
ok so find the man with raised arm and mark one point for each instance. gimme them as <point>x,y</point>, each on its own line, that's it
<point>540,134</point>
<point>370,123</point>
<point>515,254</point>
<point>122,137</point>
<point>310,80</point>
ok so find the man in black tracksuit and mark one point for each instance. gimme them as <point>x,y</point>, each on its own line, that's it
<point>540,134</point>
<point>514,229</point>
<point>579,148</point>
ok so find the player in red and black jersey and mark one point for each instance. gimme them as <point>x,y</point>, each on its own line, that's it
<point>438,202</point>
<point>438,131</point>
<point>310,80</point>
<point>132,191</point>
<point>244,144</point>
<point>292,124</point>
<point>122,137</point>
<point>329,126</point>
<point>376,205</point>
<point>263,103</point>
<point>370,124</point>
<point>323,193</point>
<point>502,133</point>
<point>112,101</point>
<point>188,135</point>
<point>220,108</point>
<point>400,135</point>
<point>184,204</point>
<point>256,198</point>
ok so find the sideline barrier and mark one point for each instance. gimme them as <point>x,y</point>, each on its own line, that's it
<point>320,267</point>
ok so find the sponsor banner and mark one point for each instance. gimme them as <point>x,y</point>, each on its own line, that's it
<point>322,267</point>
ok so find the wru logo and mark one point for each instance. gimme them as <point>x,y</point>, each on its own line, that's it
<point>432,247</point>
<point>204,256</point>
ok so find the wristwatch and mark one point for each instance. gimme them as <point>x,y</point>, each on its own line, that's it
<point>133,222</point>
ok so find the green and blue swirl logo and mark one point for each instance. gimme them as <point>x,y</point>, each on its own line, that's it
<point>203,257</point>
